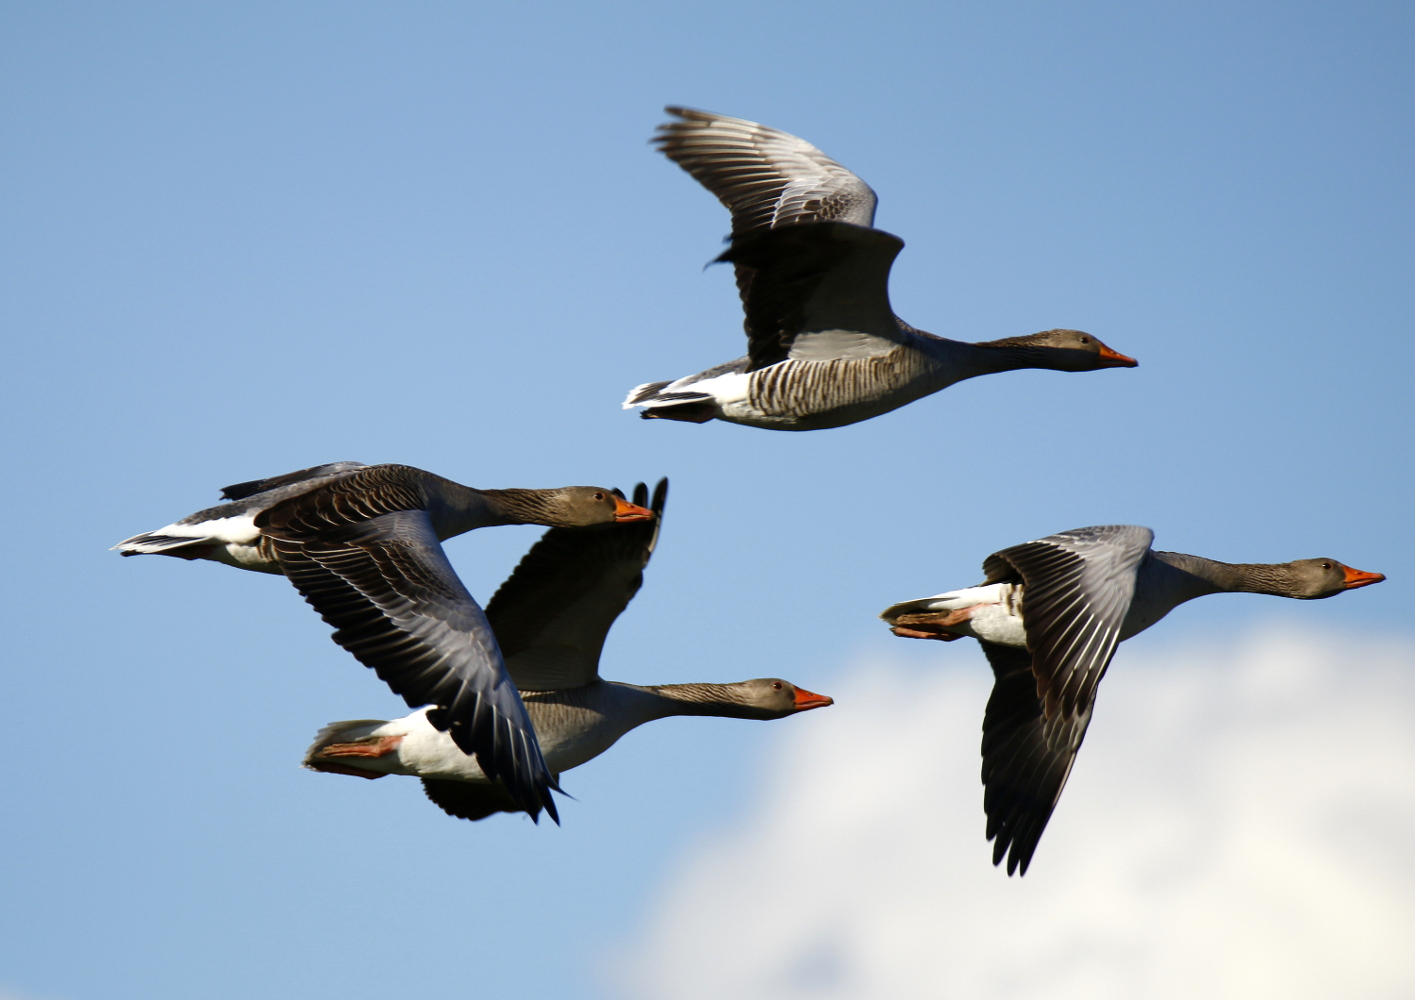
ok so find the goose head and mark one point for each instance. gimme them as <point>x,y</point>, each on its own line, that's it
<point>1314,579</point>
<point>569,506</point>
<point>1063,351</point>
<point>774,698</point>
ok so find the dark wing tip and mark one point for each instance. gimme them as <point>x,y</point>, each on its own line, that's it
<point>660,495</point>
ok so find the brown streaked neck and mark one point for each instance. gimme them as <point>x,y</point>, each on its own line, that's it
<point>513,506</point>
<point>961,360</point>
<point>950,361</point>
<point>1012,354</point>
<point>1210,576</point>
<point>456,509</point>
<point>719,700</point>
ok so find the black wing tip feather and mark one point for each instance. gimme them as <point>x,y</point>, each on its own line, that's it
<point>504,753</point>
<point>1015,830</point>
<point>1018,854</point>
<point>472,800</point>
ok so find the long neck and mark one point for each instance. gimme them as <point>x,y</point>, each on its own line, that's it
<point>515,506</point>
<point>456,508</point>
<point>1168,579</point>
<point>721,700</point>
<point>1221,577</point>
<point>964,360</point>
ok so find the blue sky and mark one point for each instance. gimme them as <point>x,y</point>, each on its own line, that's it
<point>247,238</point>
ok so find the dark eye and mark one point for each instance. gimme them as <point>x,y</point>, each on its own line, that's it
<point>1085,340</point>
<point>776,685</point>
<point>1326,565</point>
<point>599,496</point>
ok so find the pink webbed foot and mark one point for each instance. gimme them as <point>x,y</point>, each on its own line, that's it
<point>913,633</point>
<point>374,746</point>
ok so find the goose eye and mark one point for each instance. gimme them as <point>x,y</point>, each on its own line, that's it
<point>776,685</point>
<point>1085,340</point>
<point>599,496</point>
<point>1326,565</point>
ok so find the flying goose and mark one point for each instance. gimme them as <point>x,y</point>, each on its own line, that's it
<point>551,617</point>
<point>824,348</point>
<point>1049,616</point>
<point>361,543</point>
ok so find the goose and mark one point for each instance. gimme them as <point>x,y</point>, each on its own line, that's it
<point>362,545</point>
<point>1049,615</point>
<point>824,348</point>
<point>551,617</point>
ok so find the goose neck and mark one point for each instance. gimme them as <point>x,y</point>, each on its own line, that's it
<point>719,700</point>
<point>510,506</point>
<point>1209,576</point>
<point>964,360</point>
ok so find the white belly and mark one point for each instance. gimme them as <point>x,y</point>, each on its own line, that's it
<point>425,752</point>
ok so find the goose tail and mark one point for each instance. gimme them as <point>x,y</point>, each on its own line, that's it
<point>641,394</point>
<point>157,543</point>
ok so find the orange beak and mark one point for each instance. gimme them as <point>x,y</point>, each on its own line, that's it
<point>624,511</point>
<point>1359,578</point>
<point>1114,359</point>
<point>806,700</point>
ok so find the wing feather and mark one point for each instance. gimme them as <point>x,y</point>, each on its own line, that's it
<point>766,178</point>
<point>816,291</point>
<point>1026,757</point>
<point>552,614</point>
<point>382,580</point>
<point>468,799</point>
<point>1077,587</point>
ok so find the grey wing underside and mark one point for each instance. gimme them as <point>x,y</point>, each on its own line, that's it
<point>552,614</point>
<point>1077,588</point>
<point>397,605</point>
<point>1026,757</point>
<point>468,799</point>
<point>765,177</point>
<point>812,274</point>
<point>816,292</point>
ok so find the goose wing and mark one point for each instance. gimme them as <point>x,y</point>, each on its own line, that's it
<point>1077,587</point>
<point>1026,757</point>
<point>765,177</point>
<point>812,274</point>
<point>816,292</point>
<point>472,800</point>
<point>240,491</point>
<point>370,563</point>
<point>552,614</point>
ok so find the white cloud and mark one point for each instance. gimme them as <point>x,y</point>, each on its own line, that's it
<point>1240,823</point>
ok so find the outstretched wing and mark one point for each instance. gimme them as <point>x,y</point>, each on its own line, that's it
<point>552,614</point>
<point>1077,588</point>
<point>386,586</point>
<point>1026,757</point>
<point>240,491</point>
<point>766,178</point>
<point>467,799</point>
<point>816,292</point>
<point>349,499</point>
